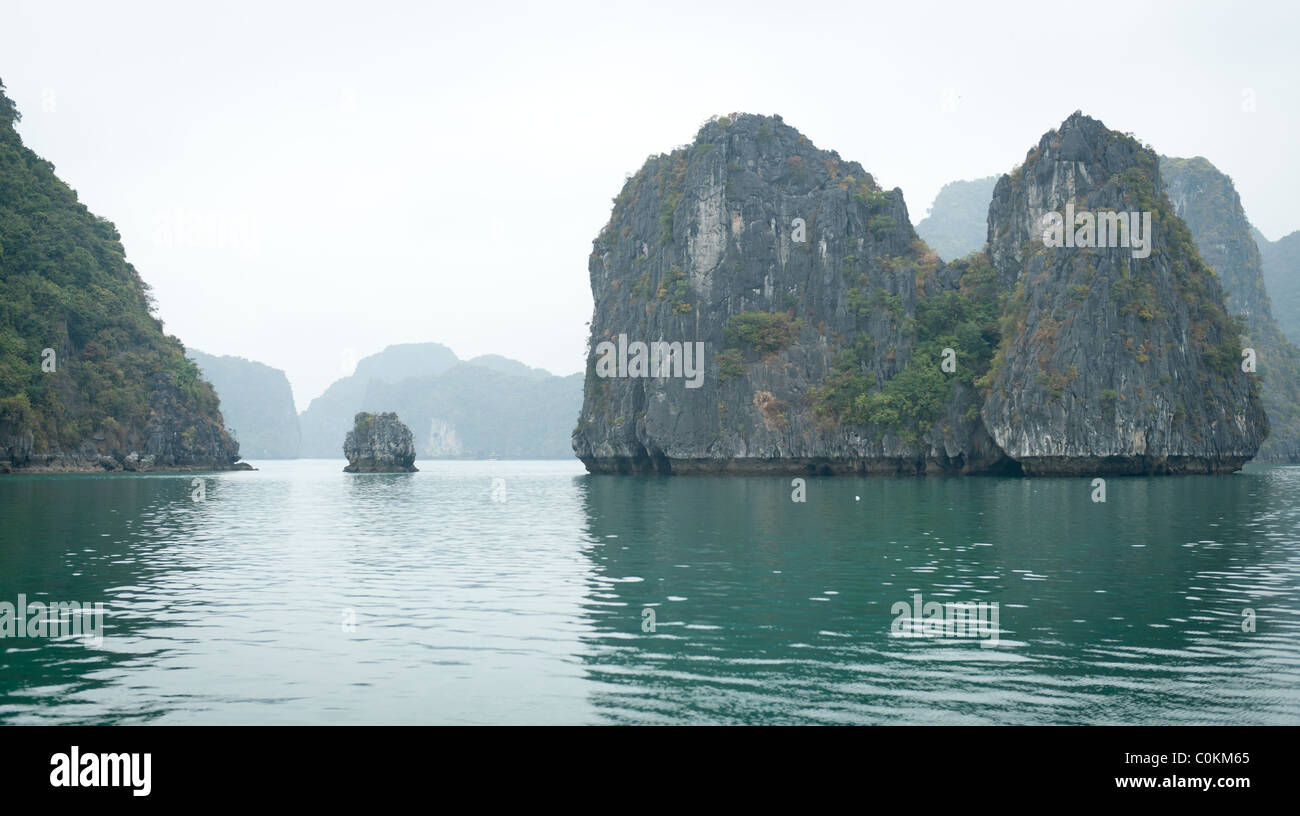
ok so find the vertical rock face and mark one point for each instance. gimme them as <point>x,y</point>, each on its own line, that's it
<point>831,339</point>
<point>379,443</point>
<point>780,259</point>
<point>1111,362</point>
<point>1208,202</point>
<point>443,439</point>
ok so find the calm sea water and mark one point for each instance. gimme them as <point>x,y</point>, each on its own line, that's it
<point>300,594</point>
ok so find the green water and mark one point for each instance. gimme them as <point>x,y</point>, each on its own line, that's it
<point>300,594</point>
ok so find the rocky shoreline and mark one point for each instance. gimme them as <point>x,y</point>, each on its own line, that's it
<point>859,466</point>
<point>108,464</point>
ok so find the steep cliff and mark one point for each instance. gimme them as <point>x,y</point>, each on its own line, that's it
<point>1208,202</point>
<point>795,279</point>
<point>829,338</point>
<point>88,379</point>
<point>256,402</point>
<point>1114,359</point>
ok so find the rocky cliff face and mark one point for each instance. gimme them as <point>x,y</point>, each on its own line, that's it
<point>1208,202</point>
<point>833,340</point>
<point>379,443</point>
<point>1112,361</point>
<point>174,435</point>
<point>800,277</point>
<point>442,441</point>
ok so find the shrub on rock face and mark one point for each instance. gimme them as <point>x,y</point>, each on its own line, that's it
<point>379,443</point>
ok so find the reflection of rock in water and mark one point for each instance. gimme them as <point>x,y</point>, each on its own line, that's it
<point>443,440</point>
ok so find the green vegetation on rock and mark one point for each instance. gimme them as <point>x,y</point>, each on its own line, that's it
<point>909,403</point>
<point>765,332</point>
<point>118,380</point>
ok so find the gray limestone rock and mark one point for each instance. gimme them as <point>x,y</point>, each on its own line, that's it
<point>379,443</point>
<point>809,322</point>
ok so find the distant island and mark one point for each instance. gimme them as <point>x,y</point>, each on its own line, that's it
<point>256,402</point>
<point>958,221</point>
<point>457,409</point>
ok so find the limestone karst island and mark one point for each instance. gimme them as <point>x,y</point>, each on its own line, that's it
<point>839,342</point>
<point>379,443</point>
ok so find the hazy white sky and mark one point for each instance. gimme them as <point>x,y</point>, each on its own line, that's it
<point>306,183</point>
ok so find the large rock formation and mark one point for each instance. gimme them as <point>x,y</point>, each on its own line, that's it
<point>781,259</point>
<point>379,443</point>
<point>1113,362</point>
<point>88,378</point>
<point>857,350</point>
<point>256,402</point>
<point>1207,201</point>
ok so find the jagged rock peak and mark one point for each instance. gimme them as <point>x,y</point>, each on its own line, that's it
<point>1074,160</point>
<point>769,260</point>
<point>1117,353</point>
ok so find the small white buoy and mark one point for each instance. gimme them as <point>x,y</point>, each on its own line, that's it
<point>857,498</point>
